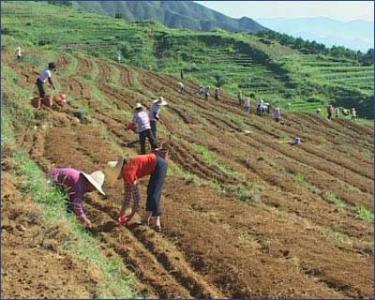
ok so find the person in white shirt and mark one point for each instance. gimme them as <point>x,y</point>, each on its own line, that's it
<point>181,88</point>
<point>18,52</point>
<point>43,77</point>
<point>154,114</point>
<point>246,105</point>
<point>141,121</point>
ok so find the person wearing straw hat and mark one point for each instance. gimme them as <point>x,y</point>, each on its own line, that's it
<point>141,120</point>
<point>133,169</point>
<point>154,114</point>
<point>76,183</point>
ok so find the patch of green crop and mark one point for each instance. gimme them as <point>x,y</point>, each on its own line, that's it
<point>334,199</point>
<point>364,214</point>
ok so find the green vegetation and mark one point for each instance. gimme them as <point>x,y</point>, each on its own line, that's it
<point>212,160</point>
<point>334,199</point>
<point>299,178</point>
<point>276,71</point>
<point>364,214</point>
<point>182,15</point>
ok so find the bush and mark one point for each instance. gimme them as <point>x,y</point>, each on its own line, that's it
<point>220,80</point>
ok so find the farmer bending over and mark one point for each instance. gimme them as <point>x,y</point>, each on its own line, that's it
<point>130,171</point>
<point>76,183</point>
<point>42,78</point>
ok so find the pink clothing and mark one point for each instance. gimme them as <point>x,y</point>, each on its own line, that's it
<point>74,183</point>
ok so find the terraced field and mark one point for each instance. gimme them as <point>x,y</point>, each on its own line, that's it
<point>246,214</point>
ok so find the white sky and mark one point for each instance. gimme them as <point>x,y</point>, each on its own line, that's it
<point>338,10</point>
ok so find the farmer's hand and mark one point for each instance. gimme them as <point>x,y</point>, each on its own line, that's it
<point>86,222</point>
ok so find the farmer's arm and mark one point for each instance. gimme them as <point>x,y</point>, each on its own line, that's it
<point>51,83</point>
<point>130,190</point>
<point>78,210</point>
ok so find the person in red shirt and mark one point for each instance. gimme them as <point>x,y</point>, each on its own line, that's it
<point>130,171</point>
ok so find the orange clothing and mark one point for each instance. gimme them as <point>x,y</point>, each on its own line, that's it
<point>138,167</point>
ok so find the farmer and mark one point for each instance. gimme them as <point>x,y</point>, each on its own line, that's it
<point>154,114</point>
<point>141,121</point>
<point>239,97</point>
<point>18,53</point>
<point>76,183</point>
<point>181,88</point>
<point>296,140</point>
<point>216,94</point>
<point>133,169</point>
<point>206,92</point>
<point>200,90</point>
<point>354,114</point>
<point>277,114</point>
<point>246,105</point>
<point>330,111</point>
<point>119,57</point>
<point>42,78</point>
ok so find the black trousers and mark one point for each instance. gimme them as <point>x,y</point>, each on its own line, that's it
<point>155,187</point>
<point>40,86</point>
<point>153,129</point>
<point>142,139</point>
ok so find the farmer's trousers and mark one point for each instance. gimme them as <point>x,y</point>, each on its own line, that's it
<point>142,139</point>
<point>153,129</point>
<point>155,186</point>
<point>40,86</point>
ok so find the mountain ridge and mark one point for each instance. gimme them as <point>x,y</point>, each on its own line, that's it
<point>175,14</point>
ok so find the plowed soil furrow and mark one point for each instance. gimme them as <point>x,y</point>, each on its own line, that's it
<point>335,137</point>
<point>187,119</point>
<point>195,165</point>
<point>356,135</point>
<point>296,198</point>
<point>352,179</point>
<point>352,126</point>
<point>125,75</point>
<point>357,168</point>
<point>85,66</point>
<point>316,177</point>
<point>166,254</point>
<point>222,212</point>
<point>139,259</point>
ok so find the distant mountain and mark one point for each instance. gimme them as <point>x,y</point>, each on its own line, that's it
<point>175,14</point>
<point>356,35</point>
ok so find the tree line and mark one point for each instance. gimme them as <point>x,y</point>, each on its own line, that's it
<point>313,47</point>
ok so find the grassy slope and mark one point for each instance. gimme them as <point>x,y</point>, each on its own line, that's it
<point>274,72</point>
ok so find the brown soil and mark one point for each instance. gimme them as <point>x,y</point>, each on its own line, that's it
<point>281,238</point>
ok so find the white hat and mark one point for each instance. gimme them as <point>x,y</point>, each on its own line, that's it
<point>138,105</point>
<point>96,179</point>
<point>160,101</point>
<point>116,166</point>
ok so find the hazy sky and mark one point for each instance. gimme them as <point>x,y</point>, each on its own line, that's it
<point>339,10</point>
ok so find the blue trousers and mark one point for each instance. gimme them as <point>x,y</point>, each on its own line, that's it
<point>155,187</point>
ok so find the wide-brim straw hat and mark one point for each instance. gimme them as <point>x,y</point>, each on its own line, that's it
<point>116,167</point>
<point>96,179</point>
<point>160,101</point>
<point>138,106</point>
